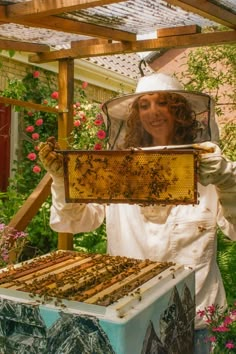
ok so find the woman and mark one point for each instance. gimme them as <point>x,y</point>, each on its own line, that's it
<point>161,113</point>
<point>160,119</point>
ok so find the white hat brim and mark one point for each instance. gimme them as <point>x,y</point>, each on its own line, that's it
<point>119,108</point>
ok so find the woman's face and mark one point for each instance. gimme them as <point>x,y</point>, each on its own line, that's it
<point>156,118</point>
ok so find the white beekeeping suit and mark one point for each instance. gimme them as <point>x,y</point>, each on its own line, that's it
<point>185,234</point>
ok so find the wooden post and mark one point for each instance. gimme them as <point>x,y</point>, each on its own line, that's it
<point>65,123</point>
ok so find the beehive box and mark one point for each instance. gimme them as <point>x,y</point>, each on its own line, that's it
<point>68,302</point>
<point>142,177</point>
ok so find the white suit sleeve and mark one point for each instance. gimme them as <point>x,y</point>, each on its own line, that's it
<point>73,217</point>
<point>228,228</point>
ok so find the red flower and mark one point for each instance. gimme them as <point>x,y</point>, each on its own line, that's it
<point>39,122</point>
<point>220,329</point>
<point>36,148</point>
<point>36,74</point>
<point>212,339</point>
<point>84,85</point>
<point>77,123</point>
<point>29,129</point>
<point>45,101</point>
<point>82,115</point>
<point>228,320</point>
<point>55,95</point>
<point>36,169</point>
<point>30,114</point>
<point>211,309</point>
<point>98,122</point>
<point>230,345</point>
<point>35,136</point>
<point>32,156</point>
<point>98,146</point>
<point>101,134</point>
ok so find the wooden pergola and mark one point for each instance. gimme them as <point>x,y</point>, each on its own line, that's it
<point>63,31</point>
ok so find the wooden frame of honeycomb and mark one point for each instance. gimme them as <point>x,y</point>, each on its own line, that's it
<point>132,176</point>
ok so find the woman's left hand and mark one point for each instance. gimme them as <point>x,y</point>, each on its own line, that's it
<point>214,168</point>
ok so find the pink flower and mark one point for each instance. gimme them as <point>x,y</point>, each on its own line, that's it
<point>98,122</point>
<point>212,339</point>
<point>55,95</point>
<point>36,169</point>
<point>227,320</point>
<point>77,104</point>
<point>35,136</point>
<point>36,148</point>
<point>201,313</point>
<point>99,116</point>
<point>32,156</point>
<point>208,320</point>
<point>220,329</point>
<point>77,123</point>
<point>29,129</point>
<point>211,309</point>
<point>229,345</point>
<point>82,115</point>
<point>39,122</point>
<point>36,74</point>
<point>30,114</point>
<point>98,146</point>
<point>101,134</point>
<point>84,85</point>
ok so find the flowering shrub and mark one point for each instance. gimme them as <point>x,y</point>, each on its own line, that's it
<point>222,328</point>
<point>11,240</point>
<point>89,131</point>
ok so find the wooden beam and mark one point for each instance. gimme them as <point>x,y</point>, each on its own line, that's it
<point>76,27</point>
<point>65,101</point>
<point>184,41</point>
<point>40,8</point>
<point>23,46</point>
<point>65,123</point>
<point>178,31</point>
<point>208,10</point>
<point>71,26</point>
<point>78,44</point>
<point>31,206</point>
<point>35,106</point>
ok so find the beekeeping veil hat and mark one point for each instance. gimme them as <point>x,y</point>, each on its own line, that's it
<point>118,109</point>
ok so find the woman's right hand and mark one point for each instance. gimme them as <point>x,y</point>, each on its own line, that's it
<point>51,160</point>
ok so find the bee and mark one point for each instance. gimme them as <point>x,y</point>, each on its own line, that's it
<point>201,228</point>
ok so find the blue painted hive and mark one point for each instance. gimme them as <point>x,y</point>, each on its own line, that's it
<point>69,302</point>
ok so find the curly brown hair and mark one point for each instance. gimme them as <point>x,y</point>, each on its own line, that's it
<point>185,129</point>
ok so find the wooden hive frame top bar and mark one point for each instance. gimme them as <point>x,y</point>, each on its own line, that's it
<point>90,278</point>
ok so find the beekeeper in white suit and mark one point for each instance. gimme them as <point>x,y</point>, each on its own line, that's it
<point>161,113</point>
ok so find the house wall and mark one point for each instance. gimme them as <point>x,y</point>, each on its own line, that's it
<point>174,61</point>
<point>13,69</point>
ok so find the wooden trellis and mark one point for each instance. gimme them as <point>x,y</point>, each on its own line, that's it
<point>101,27</point>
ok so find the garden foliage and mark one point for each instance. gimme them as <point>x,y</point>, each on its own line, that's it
<point>89,132</point>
